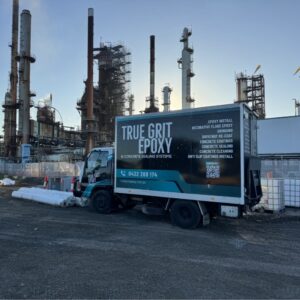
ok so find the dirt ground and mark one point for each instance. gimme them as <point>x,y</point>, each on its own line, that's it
<point>50,252</point>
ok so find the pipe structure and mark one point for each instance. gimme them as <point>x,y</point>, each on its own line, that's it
<point>10,104</point>
<point>166,96</point>
<point>152,107</point>
<point>89,83</point>
<point>186,65</point>
<point>24,76</point>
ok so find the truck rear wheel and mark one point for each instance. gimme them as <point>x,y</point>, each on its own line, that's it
<point>102,202</point>
<point>185,214</point>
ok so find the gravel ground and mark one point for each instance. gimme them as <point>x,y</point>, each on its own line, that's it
<point>49,252</point>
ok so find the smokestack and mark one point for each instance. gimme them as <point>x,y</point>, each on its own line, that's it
<point>152,107</point>
<point>11,98</point>
<point>152,66</point>
<point>89,83</point>
<point>24,76</point>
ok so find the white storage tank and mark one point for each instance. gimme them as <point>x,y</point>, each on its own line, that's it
<point>273,195</point>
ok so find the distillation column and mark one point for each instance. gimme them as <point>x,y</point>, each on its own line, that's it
<point>185,63</point>
<point>10,103</point>
<point>130,105</point>
<point>166,96</point>
<point>24,76</point>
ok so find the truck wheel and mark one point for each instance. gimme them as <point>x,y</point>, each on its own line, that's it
<point>185,214</point>
<point>102,202</point>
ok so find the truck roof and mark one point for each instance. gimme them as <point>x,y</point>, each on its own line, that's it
<point>182,111</point>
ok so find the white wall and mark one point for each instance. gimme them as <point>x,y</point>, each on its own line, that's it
<point>279,136</point>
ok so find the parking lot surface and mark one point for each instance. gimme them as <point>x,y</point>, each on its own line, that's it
<point>50,252</point>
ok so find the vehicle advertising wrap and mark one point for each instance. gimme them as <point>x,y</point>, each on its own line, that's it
<point>193,152</point>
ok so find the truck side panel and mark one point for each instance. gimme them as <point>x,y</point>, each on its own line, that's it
<point>193,154</point>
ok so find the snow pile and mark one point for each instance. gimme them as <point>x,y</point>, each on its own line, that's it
<point>7,181</point>
<point>52,197</point>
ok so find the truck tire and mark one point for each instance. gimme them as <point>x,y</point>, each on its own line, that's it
<point>185,214</point>
<point>102,202</point>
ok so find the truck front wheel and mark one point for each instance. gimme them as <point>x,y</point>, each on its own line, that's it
<point>185,214</point>
<point>102,202</point>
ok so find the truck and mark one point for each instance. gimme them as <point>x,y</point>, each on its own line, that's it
<point>192,164</point>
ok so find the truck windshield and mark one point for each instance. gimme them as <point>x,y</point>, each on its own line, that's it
<point>97,159</point>
<point>98,166</point>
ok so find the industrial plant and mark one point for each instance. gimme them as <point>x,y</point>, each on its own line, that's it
<point>98,106</point>
<point>27,139</point>
<point>44,135</point>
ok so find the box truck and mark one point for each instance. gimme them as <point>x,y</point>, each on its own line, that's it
<point>192,164</point>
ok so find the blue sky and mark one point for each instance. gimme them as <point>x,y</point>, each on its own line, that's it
<point>229,36</point>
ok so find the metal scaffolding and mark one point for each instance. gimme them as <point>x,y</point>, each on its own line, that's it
<point>111,94</point>
<point>251,90</point>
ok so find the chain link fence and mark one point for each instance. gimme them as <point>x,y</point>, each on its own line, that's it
<point>280,168</point>
<point>280,178</point>
<point>41,169</point>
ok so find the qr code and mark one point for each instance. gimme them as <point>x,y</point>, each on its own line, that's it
<point>212,170</point>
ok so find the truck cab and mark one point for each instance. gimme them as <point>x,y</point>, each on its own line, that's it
<point>96,182</point>
<point>97,172</point>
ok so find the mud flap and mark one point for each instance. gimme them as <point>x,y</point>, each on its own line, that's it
<point>205,214</point>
